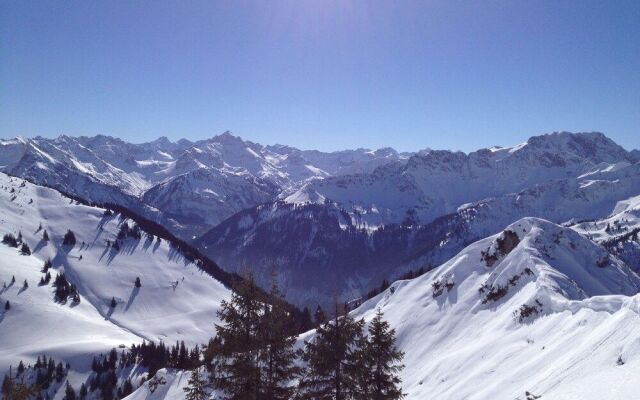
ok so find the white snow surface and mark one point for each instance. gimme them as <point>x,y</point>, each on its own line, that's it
<point>177,301</point>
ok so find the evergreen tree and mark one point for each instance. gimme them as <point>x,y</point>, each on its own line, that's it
<point>25,285</point>
<point>211,357</point>
<point>306,323</point>
<point>195,389</point>
<point>83,391</point>
<point>20,368</point>
<point>69,393</point>
<point>127,388</point>
<point>320,316</point>
<point>46,266</point>
<point>378,363</point>
<point>277,357</point>
<point>113,302</point>
<point>330,355</point>
<point>25,250</point>
<point>7,306</point>
<point>10,240</point>
<point>59,372</point>
<point>7,385</point>
<point>45,236</point>
<point>137,282</point>
<point>238,358</point>
<point>69,238</point>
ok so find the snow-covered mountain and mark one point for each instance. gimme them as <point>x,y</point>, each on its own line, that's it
<point>321,250</point>
<point>177,183</point>
<point>333,223</point>
<point>536,310</point>
<point>176,300</point>
<point>436,183</point>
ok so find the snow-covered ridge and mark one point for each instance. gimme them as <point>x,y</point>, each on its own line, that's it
<point>436,183</point>
<point>550,316</point>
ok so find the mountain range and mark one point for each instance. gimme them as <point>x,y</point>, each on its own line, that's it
<point>331,224</point>
<point>507,273</point>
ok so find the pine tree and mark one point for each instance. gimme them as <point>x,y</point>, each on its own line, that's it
<point>195,389</point>
<point>59,372</point>
<point>378,363</point>
<point>20,368</point>
<point>69,393</point>
<point>277,356</point>
<point>7,385</point>
<point>83,391</point>
<point>69,238</point>
<point>7,306</point>
<point>25,285</point>
<point>305,322</point>
<point>238,358</point>
<point>127,388</point>
<point>25,250</point>
<point>137,282</point>
<point>46,266</point>
<point>320,316</point>
<point>113,302</point>
<point>330,356</point>
<point>45,236</point>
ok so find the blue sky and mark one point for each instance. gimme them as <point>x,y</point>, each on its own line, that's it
<point>323,74</point>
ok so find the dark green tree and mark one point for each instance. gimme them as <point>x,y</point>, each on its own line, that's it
<point>378,363</point>
<point>238,359</point>
<point>331,358</point>
<point>306,323</point>
<point>69,393</point>
<point>196,387</point>
<point>320,316</point>
<point>25,250</point>
<point>83,391</point>
<point>277,356</point>
<point>69,238</point>
<point>20,368</point>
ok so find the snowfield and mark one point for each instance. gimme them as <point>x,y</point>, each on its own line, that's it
<point>177,301</point>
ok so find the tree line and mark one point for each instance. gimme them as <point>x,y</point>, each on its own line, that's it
<point>253,355</point>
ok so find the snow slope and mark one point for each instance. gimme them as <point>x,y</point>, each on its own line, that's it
<point>544,318</point>
<point>177,301</point>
